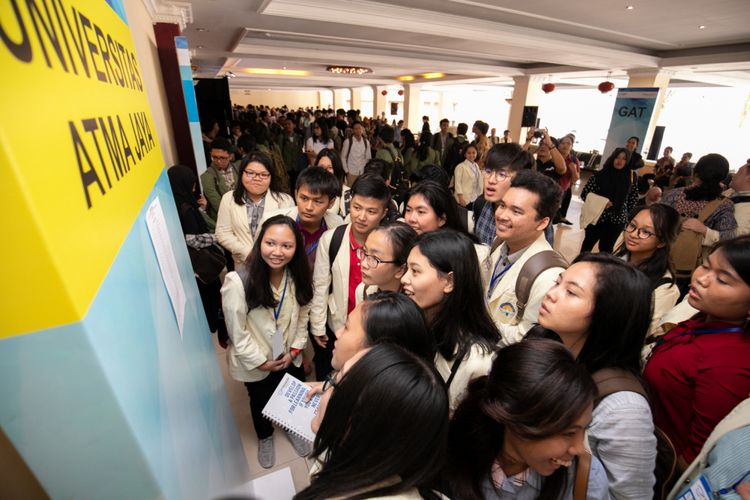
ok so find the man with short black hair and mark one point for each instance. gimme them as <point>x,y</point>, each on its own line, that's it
<point>481,141</point>
<point>355,152</point>
<point>337,268</point>
<point>503,162</point>
<point>523,213</point>
<point>220,177</point>
<point>443,140</point>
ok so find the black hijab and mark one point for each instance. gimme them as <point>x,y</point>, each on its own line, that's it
<point>182,179</point>
<point>613,183</point>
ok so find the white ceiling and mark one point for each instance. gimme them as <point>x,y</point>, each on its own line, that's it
<point>578,42</point>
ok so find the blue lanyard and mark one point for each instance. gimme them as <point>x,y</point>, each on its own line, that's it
<point>662,340</point>
<point>724,491</point>
<point>277,310</point>
<point>312,248</point>
<point>496,277</point>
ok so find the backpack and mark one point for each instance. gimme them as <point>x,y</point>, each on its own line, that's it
<point>398,172</point>
<point>333,248</point>
<point>611,380</point>
<point>687,250</point>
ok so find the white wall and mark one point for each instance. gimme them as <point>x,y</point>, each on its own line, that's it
<point>144,40</point>
<point>293,99</point>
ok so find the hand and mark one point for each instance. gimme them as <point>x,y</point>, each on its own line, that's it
<point>270,366</point>
<point>285,361</point>
<point>202,202</point>
<point>694,225</point>
<point>545,138</point>
<point>530,134</point>
<point>315,388</point>
<point>322,340</point>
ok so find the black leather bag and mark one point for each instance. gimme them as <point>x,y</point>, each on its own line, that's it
<point>207,262</point>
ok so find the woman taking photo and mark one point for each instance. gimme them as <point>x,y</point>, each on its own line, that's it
<point>446,284</point>
<point>617,184</point>
<point>699,370</point>
<point>363,451</point>
<point>647,242</point>
<point>383,258</point>
<point>600,308</point>
<point>519,433</point>
<point>269,298</point>
<point>468,181</point>
<point>241,210</point>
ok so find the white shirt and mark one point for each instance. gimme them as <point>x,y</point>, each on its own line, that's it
<point>354,161</point>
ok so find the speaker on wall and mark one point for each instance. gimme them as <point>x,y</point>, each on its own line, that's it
<point>654,150</point>
<point>529,116</point>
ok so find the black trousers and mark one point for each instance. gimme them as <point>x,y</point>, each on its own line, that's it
<point>565,203</point>
<point>260,392</point>
<point>323,355</point>
<point>211,298</point>
<point>606,233</point>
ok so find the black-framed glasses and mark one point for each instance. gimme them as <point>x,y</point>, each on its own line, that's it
<point>640,233</point>
<point>256,175</point>
<point>330,381</point>
<point>371,260</point>
<point>220,158</point>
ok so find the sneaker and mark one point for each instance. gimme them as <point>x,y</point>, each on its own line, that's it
<point>266,457</point>
<point>302,446</point>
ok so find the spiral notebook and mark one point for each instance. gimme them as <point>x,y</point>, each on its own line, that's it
<point>288,409</point>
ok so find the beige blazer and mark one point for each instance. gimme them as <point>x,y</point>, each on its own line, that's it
<point>739,417</point>
<point>325,307</point>
<point>502,302</point>
<point>251,332</point>
<point>665,298</point>
<point>476,365</point>
<point>339,207</point>
<point>233,228</point>
<point>363,292</point>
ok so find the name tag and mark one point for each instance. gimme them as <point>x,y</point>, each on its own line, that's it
<point>699,490</point>
<point>277,344</point>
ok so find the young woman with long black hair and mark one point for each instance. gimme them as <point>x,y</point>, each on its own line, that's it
<point>268,300</point>
<point>446,284</point>
<point>380,429</point>
<point>519,433</point>
<point>600,308</point>
<point>383,258</point>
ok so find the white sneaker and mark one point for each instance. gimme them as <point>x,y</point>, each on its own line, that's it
<point>266,456</point>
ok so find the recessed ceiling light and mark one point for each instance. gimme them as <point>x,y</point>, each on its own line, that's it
<point>629,7</point>
<point>701,27</point>
<point>200,47</point>
<point>201,29</point>
<point>278,72</point>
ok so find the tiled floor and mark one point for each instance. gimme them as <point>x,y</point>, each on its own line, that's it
<point>567,241</point>
<point>285,454</point>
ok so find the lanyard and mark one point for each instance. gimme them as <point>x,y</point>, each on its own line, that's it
<point>312,248</point>
<point>724,491</point>
<point>661,341</point>
<point>496,277</point>
<point>277,310</point>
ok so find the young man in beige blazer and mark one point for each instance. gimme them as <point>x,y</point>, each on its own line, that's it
<point>337,276</point>
<point>523,213</point>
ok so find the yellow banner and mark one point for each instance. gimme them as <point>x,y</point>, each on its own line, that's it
<point>78,155</point>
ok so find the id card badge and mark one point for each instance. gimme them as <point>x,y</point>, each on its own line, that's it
<point>699,490</point>
<point>277,344</point>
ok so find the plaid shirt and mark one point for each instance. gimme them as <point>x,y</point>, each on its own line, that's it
<point>254,212</point>
<point>199,241</point>
<point>484,229</point>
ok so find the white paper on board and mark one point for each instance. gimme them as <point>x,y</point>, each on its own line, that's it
<point>157,229</point>
<point>277,485</point>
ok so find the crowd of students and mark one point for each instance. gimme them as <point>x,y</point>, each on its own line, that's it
<point>456,353</point>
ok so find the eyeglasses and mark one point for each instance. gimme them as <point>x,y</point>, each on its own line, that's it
<point>330,381</point>
<point>219,158</point>
<point>500,174</point>
<point>640,233</point>
<point>256,175</point>
<point>371,260</point>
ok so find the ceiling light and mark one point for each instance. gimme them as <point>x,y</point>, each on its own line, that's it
<point>430,76</point>
<point>701,27</point>
<point>279,72</point>
<point>405,78</point>
<point>199,47</point>
<point>629,7</point>
<point>201,29</point>
<point>348,70</point>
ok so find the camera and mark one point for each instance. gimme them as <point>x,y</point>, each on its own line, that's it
<point>538,134</point>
